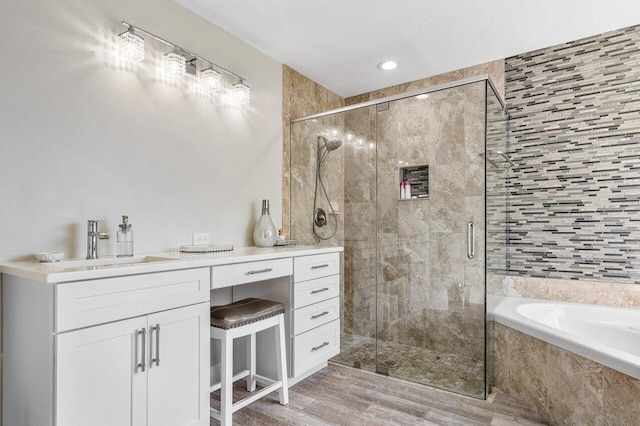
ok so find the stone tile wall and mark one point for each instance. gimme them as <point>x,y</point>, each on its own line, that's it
<point>562,387</point>
<point>300,97</point>
<point>577,291</point>
<point>360,223</point>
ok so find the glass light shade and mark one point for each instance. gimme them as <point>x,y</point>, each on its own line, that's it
<point>241,93</point>
<point>175,65</point>
<point>131,46</point>
<point>210,79</point>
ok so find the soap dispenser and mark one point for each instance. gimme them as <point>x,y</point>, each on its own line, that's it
<point>124,247</point>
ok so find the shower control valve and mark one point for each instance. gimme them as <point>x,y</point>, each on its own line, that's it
<point>320,217</point>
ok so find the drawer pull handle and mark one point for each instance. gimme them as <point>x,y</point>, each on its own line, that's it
<point>326,265</point>
<point>260,271</point>
<point>319,291</point>
<point>319,315</point>
<point>143,366</point>
<point>319,347</point>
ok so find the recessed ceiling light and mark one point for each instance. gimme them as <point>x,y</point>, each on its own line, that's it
<point>388,65</point>
<point>422,96</point>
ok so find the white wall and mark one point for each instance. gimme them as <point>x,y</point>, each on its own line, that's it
<point>83,137</point>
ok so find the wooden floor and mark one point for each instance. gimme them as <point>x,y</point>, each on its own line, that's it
<point>339,395</point>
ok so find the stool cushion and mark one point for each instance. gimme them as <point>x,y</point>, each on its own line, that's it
<point>243,312</point>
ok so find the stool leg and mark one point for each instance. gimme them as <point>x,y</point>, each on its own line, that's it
<point>226,391</point>
<point>251,360</point>
<point>281,360</point>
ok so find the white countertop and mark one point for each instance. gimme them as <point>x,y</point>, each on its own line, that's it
<point>62,272</point>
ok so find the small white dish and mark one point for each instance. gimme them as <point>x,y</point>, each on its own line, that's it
<point>50,256</point>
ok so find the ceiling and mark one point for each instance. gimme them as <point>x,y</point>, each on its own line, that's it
<point>338,43</point>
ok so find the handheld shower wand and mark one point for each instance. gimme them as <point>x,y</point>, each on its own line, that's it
<point>325,146</point>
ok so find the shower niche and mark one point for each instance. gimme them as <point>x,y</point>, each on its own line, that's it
<point>413,303</point>
<point>418,178</point>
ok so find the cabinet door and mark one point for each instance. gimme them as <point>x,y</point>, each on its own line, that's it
<point>98,382</point>
<point>179,382</point>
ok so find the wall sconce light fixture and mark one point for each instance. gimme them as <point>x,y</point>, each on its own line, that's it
<point>180,61</point>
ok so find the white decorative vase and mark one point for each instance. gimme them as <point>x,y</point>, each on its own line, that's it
<point>264,234</point>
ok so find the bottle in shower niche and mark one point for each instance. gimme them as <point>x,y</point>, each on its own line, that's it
<point>124,244</point>
<point>264,234</point>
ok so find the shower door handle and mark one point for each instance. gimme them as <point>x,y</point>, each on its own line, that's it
<point>471,241</point>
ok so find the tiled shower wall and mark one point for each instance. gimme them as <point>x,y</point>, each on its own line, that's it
<point>300,97</point>
<point>575,139</point>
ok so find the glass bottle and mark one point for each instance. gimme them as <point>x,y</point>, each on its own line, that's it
<point>124,245</point>
<point>264,234</point>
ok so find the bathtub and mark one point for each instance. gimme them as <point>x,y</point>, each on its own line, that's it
<point>607,335</point>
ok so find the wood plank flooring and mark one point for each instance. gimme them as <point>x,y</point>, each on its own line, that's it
<point>339,395</point>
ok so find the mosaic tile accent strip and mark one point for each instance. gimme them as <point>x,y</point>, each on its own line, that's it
<point>575,138</point>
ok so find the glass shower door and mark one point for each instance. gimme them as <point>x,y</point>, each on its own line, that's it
<point>430,255</point>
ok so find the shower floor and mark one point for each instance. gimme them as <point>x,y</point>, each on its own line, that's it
<point>448,371</point>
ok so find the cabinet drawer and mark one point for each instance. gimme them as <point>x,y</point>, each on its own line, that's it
<point>313,291</point>
<point>315,347</point>
<point>312,316</point>
<point>241,273</point>
<point>84,303</point>
<point>316,266</point>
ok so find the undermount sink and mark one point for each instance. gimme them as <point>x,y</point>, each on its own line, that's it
<point>111,262</point>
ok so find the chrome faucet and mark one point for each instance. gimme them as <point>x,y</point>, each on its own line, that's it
<point>92,238</point>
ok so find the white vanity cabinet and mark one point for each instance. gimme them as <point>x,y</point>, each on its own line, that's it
<point>127,343</point>
<point>130,350</point>
<point>309,286</point>
<point>316,310</point>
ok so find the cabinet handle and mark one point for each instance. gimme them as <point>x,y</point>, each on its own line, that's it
<point>326,265</point>
<point>157,358</point>
<point>260,271</point>
<point>319,347</point>
<point>319,291</point>
<point>143,366</point>
<point>319,315</point>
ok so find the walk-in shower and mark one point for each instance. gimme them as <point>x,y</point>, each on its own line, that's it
<point>413,299</point>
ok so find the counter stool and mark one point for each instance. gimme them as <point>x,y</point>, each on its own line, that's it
<point>245,318</point>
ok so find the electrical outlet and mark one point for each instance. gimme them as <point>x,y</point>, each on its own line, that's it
<point>200,238</point>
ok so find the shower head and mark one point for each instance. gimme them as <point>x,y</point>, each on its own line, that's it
<point>330,145</point>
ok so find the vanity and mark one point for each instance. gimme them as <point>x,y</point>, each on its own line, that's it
<point>126,341</point>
